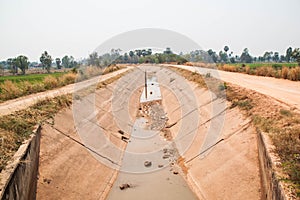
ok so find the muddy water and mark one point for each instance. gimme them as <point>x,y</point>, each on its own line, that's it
<point>158,181</point>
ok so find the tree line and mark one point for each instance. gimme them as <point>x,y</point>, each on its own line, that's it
<point>147,56</point>
<point>134,56</point>
<point>210,56</point>
<point>226,56</point>
<point>46,62</point>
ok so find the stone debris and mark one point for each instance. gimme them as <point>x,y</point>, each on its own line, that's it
<point>147,163</point>
<point>125,139</point>
<point>124,186</point>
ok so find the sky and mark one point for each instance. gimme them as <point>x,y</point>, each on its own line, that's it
<point>77,28</point>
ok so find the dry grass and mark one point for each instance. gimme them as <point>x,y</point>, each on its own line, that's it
<point>50,82</point>
<point>9,90</point>
<point>294,74</point>
<point>112,68</point>
<point>16,127</point>
<point>67,79</point>
<point>265,71</point>
<point>284,72</point>
<point>229,68</point>
<point>291,73</point>
<point>12,90</point>
<point>9,143</point>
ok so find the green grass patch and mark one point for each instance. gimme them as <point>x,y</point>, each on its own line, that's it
<point>257,65</point>
<point>32,78</point>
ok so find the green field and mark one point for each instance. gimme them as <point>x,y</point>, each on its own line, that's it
<point>274,65</point>
<point>32,78</point>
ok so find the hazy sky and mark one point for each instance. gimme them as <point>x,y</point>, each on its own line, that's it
<point>76,27</point>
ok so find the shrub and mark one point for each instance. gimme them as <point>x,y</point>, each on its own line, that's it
<point>67,79</point>
<point>294,74</point>
<point>9,90</point>
<point>50,82</point>
<point>229,68</point>
<point>247,70</point>
<point>284,72</point>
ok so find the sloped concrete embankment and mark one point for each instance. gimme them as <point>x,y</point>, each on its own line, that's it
<point>19,179</point>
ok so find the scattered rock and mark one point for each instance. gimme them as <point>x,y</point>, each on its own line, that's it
<point>46,180</point>
<point>147,163</point>
<point>124,138</point>
<point>166,156</point>
<point>124,186</point>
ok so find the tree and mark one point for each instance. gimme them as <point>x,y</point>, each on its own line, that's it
<point>168,51</point>
<point>245,57</point>
<point>267,56</point>
<point>226,48</point>
<point>22,63</point>
<point>288,54</point>
<point>223,56</point>
<point>58,62</point>
<point>2,69</point>
<point>282,58</point>
<point>138,52</point>
<point>46,61</point>
<point>213,55</point>
<point>92,60</point>
<point>65,61</point>
<point>131,54</point>
<point>12,65</point>
<point>276,57</point>
<point>126,58</point>
<point>296,55</point>
<point>144,52</point>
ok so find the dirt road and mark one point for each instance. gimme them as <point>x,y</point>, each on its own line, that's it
<point>285,91</point>
<point>23,102</point>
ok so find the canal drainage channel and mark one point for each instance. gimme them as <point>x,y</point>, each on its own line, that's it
<point>149,167</point>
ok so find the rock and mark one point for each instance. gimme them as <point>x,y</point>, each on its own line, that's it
<point>124,186</point>
<point>160,166</point>
<point>147,163</point>
<point>175,172</point>
<point>166,156</point>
